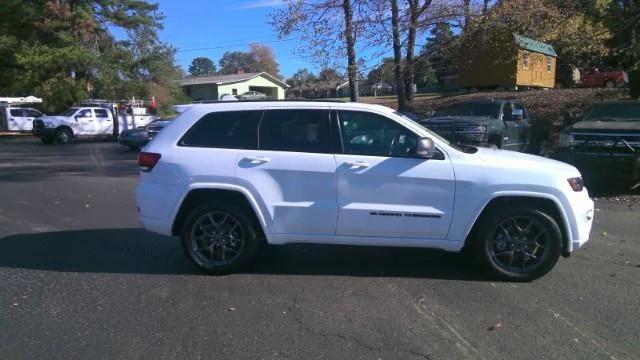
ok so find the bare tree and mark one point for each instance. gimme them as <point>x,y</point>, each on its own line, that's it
<point>397,55</point>
<point>326,30</point>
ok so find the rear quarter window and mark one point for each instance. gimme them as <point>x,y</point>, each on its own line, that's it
<point>229,130</point>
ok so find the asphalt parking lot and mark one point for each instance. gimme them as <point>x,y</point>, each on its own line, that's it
<point>80,278</point>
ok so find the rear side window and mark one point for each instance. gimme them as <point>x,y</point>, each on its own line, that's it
<point>296,130</point>
<point>230,130</point>
<point>101,113</point>
<point>17,112</point>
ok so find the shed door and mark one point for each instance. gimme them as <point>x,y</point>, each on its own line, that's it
<point>538,68</point>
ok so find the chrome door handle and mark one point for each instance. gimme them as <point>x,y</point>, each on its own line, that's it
<point>357,164</point>
<point>257,159</point>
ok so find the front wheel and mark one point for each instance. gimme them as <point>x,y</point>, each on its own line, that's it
<point>63,136</point>
<point>518,244</point>
<point>219,239</point>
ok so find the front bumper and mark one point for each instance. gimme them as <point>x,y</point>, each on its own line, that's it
<point>602,163</point>
<point>582,212</point>
<point>43,132</point>
<point>133,141</point>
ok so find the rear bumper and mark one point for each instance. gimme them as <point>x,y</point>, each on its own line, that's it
<point>156,213</point>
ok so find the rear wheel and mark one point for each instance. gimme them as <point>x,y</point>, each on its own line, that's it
<point>219,239</point>
<point>63,136</point>
<point>518,244</point>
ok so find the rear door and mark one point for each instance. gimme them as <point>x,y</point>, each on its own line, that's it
<point>384,190</point>
<point>293,171</point>
<point>19,120</point>
<point>104,122</point>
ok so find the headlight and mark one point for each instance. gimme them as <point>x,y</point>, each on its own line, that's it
<point>565,140</point>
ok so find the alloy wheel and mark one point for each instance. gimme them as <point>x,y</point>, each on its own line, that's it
<point>519,244</point>
<point>217,239</point>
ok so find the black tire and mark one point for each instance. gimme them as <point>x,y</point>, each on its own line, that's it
<point>63,136</point>
<point>47,140</point>
<point>246,226</point>
<point>609,84</point>
<point>494,252</point>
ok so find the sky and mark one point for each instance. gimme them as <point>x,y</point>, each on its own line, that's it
<point>208,28</point>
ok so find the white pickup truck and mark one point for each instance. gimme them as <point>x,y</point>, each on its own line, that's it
<point>88,121</point>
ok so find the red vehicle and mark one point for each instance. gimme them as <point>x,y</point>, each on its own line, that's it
<point>608,79</point>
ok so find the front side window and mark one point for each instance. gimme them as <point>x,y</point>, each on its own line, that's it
<point>34,113</point>
<point>86,113</point>
<point>296,130</point>
<point>230,130</point>
<point>549,63</point>
<point>374,135</point>
<point>101,113</point>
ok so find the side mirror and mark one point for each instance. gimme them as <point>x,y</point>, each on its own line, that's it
<point>426,148</point>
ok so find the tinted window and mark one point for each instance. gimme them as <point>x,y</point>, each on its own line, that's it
<point>33,113</point>
<point>85,113</point>
<point>296,130</point>
<point>101,113</point>
<point>615,112</point>
<point>17,112</point>
<point>488,109</point>
<point>370,134</point>
<point>231,130</point>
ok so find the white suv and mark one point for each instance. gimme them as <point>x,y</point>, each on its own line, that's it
<point>227,177</point>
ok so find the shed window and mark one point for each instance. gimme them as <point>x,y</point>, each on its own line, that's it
<point>548,63</point>
<point>525,60</point>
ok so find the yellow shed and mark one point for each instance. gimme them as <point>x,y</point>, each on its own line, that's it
<point>510,61</point>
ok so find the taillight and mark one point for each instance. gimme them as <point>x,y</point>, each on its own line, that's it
<point>148,160</point>
<point>576,184</point>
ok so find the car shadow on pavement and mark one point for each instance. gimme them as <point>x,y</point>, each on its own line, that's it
<point>136,251</point>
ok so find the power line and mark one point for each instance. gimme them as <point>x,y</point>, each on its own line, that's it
<point>235,45</point>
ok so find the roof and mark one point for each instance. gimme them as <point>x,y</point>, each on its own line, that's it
<point>230,79</point>
<point>291,104</point>
<point>535,45</point>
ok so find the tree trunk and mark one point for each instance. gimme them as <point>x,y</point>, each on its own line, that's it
<point>352,70</point>
<point>466,8</point>
<point>409,74</point>
<point>397,56</point>
<point>485,7</point>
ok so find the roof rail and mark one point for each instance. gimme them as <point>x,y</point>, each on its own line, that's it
<point>267,100</point>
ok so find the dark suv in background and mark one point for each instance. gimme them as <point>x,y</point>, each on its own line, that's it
<point>501,124</point>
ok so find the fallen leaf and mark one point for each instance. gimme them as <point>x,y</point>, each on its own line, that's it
<point>231,308</point>
<point>495,327</point>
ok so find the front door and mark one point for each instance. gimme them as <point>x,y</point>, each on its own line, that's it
<point>85,122</point>
<point>384,190</point>
<point>293,171</point>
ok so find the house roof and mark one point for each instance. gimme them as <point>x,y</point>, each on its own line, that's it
<point>535,45</point>
<point>229,79</point>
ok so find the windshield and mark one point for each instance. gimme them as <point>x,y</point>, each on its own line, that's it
<point>488,109</point>
<point>69,112</point>
<point>614,112</point>
<point>464,148</point>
